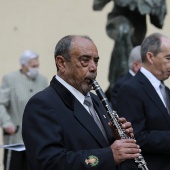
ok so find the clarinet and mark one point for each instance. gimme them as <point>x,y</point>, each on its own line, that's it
<point>114,119</point>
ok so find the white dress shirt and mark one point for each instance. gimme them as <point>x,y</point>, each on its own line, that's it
<point>131,72</point>
<point>80,97</point>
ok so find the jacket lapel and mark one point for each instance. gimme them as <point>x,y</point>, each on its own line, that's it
<point>80,112</point>
<point>88,122</point>
<point>63,93</point>
<point>151,92</point>
<point>104,119</point>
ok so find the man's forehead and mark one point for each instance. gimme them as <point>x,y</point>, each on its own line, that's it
<point>81,41</point>
<point>83,44</point>
<point>33,61</point>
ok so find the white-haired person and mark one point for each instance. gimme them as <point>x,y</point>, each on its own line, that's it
<point>16,89</point>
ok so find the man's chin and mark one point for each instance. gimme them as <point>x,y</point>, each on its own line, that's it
<point>86,90</point>
<point>166,76</point>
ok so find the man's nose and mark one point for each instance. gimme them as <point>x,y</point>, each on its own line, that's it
<point>92,66</point>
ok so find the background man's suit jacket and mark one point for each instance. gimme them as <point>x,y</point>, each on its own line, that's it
<point>140,104</point>
<point>116,88</point>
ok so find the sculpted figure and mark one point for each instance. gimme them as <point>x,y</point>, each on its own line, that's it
<point>126,25</point>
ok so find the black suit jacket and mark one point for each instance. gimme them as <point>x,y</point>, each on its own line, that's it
<point>59,134</point>
<point>116,87</point>
<point>140,104</point>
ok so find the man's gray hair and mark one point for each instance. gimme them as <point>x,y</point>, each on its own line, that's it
<point>64,45</point>
<point>135,55</point>
<point>27,56</point>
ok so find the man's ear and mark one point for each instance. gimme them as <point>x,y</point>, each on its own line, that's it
<point>150,57</point>
<point>135,66</point>
<point>60,62</point>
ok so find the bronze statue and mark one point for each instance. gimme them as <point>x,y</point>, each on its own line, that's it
<point>126,25</point>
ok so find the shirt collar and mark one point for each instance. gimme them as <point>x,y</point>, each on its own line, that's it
<point>153,80</point>
<point>74,91</point>
<point>131,72</point>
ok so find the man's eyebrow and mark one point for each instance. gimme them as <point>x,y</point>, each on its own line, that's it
<point>88,56</point>
<point>168,55</point>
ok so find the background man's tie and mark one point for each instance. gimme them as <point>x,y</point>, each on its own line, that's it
<point>165,96</point>
<point>89,103</point>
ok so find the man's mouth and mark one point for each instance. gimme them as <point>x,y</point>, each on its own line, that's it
<point>90,80</point>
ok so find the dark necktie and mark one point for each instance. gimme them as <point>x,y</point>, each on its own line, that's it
<point>165,96</point>
<point>89,103</point>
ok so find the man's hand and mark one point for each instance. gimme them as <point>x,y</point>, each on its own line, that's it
<point>10,130</point>
<point>125,149</point>
<point>126,126</point>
